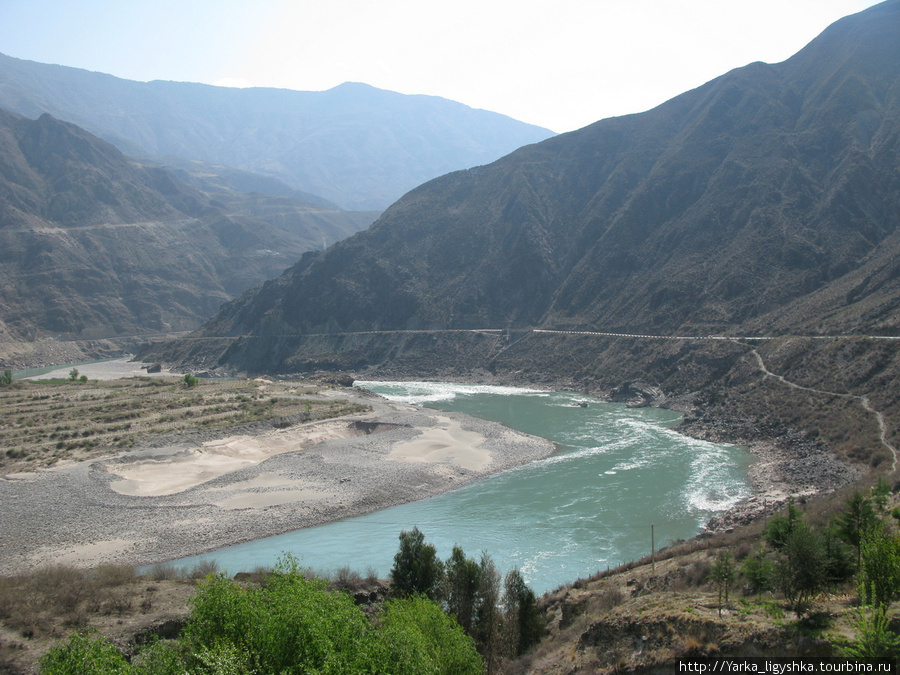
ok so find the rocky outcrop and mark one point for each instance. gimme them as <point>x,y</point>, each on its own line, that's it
<point>638,395</point>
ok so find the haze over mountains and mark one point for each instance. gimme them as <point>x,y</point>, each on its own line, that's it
<point>765,200</point>
<point>93,244</point>
<point>354,145</point>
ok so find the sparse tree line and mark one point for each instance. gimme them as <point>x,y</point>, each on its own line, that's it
<point>6,377</point>
<point>502,619</point>
<point>800,561</point>
<point>442,618</point>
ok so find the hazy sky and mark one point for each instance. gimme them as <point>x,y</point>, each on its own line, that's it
<point>561,64</point>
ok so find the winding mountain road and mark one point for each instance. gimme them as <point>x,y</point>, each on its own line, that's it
<point>863,399</point>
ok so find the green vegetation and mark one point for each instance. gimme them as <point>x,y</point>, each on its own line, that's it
<point>417,568</point>
<point>723,574</point>
<point>289,624</point>
<point>6,378</point>
<point>190,381</point>
<point>504,623</point>
<point>801,561</point>
<point>287,621</point>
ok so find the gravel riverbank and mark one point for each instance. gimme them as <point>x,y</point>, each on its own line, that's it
<point>193,492</point>
<point>162,500</point>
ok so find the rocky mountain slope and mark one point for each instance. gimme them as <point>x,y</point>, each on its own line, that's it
<point>710,213</point>
<point>765,202</point>
<point>93,244</point>
<point>355,145</point>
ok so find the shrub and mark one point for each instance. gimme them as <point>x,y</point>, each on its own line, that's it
<point>759,572</point>
<point>875,638</point>
<point>84,654</point>
<point>416,632</point>
<point>290,624</point>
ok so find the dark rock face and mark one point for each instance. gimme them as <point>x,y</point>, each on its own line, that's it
<point>94,245</point>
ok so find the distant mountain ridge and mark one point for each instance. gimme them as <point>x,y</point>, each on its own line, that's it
<point>708,214</point>
<point>355,145</point>
<point>95,245</point>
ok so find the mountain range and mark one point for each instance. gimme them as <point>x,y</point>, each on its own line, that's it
<point>725,209</point>
<point>96,245</point>
<point>354,145</point>
<point>764,203</point>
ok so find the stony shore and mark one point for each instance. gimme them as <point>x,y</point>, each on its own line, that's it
<point>191,493</point>
<point>186,494</point>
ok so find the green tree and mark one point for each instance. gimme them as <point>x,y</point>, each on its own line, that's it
<point>418,633</point>
<point>723,574</point>
<point>73,374</point>
<point>840,561</point>
<point>801,570</point>
<point>857,518</point>
<point>780,527</point>
<point>190,380</point>
<point>417,569</point>
<point>6,378</point>
<point>881,492</point>
<point>488,627</point>
<point>522,618</point>
<point>462,576</point>
<point>879,571</point>
<point>758,570</point>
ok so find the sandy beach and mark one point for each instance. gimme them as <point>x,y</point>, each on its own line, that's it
<point>187,493</point>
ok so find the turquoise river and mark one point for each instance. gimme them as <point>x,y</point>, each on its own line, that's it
<point>591,505</point>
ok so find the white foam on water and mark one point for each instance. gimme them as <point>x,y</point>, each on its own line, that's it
<point>713,485</point>
<point>575,455</point>
<point>636,463</point>
<point>419,393</point>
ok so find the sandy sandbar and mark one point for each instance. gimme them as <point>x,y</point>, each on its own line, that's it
<point>191,493</point>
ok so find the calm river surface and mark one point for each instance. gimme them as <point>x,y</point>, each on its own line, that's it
<point>589,506</point>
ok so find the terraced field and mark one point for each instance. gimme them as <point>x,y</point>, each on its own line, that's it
<point>42,423</point>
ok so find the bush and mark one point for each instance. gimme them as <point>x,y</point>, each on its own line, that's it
<point>84,654</point>
<point>759,572</point>
<point>416,632</point>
